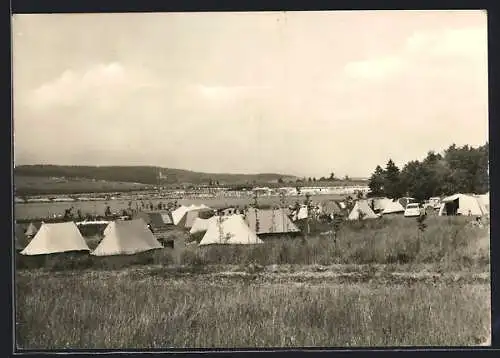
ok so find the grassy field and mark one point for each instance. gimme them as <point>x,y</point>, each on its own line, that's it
<point>121,310</point>
<point>382,283</point>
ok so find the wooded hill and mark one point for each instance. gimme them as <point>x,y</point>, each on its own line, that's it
<point>146,175</point>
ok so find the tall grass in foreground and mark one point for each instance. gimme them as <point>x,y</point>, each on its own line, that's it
<point>118,311</point>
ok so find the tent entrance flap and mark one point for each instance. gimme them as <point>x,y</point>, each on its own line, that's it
<point>451,207</point>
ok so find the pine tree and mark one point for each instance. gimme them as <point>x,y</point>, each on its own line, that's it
<point>377,182</point>
<point>392,185</point>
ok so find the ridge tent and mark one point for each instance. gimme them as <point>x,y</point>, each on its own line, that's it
<point>363,207</point>
<point>301,213</point>
<point>126,237</point>
<point>167,218</point>
<point>393,207</point>
<point>461,204</point>
<point>179,213</point>
<point>32,229</point>
<point>379,204</point>
<point>154,219</point>
<point>405,201</point>
<point>189,217</point>
<point>55,238</point>
<point>201,225</point>
<point>229,230</point>
<point>20,239</point>
<point>484,199</point>
<point>331,207</point>
<point>271,221</point>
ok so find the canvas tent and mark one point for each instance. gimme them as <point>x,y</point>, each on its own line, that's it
<point>179,213</point>
<point>126,238</point>
<point>271,221</point>
<point>331,207</point>
<point>229,230</point>
<point>379,204</point>
<point>167,218</point>
<point>484,199</point>
<point>462,204</point>
<point>361,206</point>
<point>405,201</point>
<point>189,217</point>
<point>392,207</point>
<point>55,238</point>
<point>20,239</point>
<point>153,219</point>
<point>32,229</point>
<point>301,213</point>
<point>201,225</point>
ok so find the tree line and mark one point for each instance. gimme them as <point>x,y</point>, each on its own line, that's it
<point>456,170</point>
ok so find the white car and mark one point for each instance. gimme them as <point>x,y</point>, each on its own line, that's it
<point>435,202</point>
<point>412,210</point>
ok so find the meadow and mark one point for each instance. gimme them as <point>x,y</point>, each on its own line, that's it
<point>119,310</point>
<point>383,282</point>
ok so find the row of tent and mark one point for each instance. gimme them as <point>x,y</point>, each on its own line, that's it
<point>133,236</point>
<point>457,204</point>
<point>197,219</point>
<point>127,237</point>
<point>121,237</point>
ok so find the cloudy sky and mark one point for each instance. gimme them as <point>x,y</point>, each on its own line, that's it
<point>302,93</point>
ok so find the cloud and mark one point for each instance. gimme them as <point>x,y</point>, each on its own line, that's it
<point>437,46</point>
<point>468,42</point>
<point>100,82</point>
<point>377,68</point>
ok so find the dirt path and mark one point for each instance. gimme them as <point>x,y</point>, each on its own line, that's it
<point>280,274</point>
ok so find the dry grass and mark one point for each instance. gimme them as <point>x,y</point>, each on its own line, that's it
<point>448,243</point>
<point>121,310</point>
<point>385,284</point>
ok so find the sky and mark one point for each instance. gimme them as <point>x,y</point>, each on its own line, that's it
<point>300,93</point>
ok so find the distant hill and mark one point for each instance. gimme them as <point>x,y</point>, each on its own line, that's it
<point>32,185</point>
<point>145,175</point>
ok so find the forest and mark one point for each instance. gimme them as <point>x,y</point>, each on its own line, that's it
<point>456,170</point>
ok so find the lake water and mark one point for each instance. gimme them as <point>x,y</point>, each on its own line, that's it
<point>23,211</point>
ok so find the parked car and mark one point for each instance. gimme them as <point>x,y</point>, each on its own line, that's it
<point>435,202</point>
<point>413,210</point>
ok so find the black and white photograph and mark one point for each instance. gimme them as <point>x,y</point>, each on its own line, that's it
<point>273,179</point>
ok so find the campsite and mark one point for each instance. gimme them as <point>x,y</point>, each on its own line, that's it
<point>239,180</point>
<point>197,268</point>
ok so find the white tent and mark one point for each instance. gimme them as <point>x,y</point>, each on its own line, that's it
<point>462,204</point>
<point>484,199</point>
<point>126,237</point>
<point>179,213</point>
<point>392,207</point>
<point>54,238</point>
<point>303,213</point>
<point>32,229</point>
<point>363,207</point>
<point>380,203</point>
<point>229,230</point>
<point>200,225</point>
